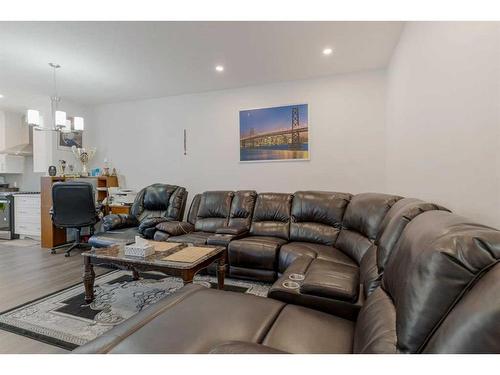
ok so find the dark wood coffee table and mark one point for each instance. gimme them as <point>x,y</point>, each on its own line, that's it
<point>114,256</point>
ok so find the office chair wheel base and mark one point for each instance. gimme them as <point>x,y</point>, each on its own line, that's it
<point>53,251</point>
<point>67,255</point>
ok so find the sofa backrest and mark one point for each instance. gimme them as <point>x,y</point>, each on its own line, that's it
<point>242,206</point>
<point>361,223</point>
<point>160,200</point>
<point>400,214</point>
<point>317,216</point>
<point>193,209</point>
<point>473,326</point>
<point>213,211</point>
<point>439,291</point>
<point>271,216</point>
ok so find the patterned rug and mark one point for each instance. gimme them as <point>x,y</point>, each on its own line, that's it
<point>63,319</point>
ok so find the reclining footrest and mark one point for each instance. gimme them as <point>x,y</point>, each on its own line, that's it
<point>331,280</point>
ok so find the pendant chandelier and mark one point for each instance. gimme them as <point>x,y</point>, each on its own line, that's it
<point>59,121</point>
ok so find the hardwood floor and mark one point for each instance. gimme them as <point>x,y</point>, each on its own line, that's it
<point>30,272</point>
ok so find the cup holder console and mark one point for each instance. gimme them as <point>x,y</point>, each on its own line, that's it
<point>291,284</point>
<point>296,277</point>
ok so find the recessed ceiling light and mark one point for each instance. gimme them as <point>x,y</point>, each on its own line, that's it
<point>327,51</point>
<point>1,96</point>
<point>219,68</point>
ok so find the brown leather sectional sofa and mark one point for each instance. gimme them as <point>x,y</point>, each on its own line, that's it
<point>338,241</point>
<point>383,274</point>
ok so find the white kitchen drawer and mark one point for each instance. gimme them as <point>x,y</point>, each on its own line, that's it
<point>28,220</point>
<point>27,211</point>
<point>27,200</point>
<point>27,215</point>
<point>28,229</point>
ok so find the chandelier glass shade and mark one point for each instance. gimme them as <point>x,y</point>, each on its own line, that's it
<point>59,120</point>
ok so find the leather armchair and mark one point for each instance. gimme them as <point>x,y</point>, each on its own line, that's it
<point>154,204</point>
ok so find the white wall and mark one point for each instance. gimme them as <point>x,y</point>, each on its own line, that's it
<point>428,128</point>
<point>144,139</point>
<point>443,117</point>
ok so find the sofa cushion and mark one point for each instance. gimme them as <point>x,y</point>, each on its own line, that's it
<point>400,214</point>
<point>293,250</point>
<point>176,324</point>
<point>175,228</point>
<point>197,238</point>
<point>317,216</point>
<point>301,330</point>
<point>213,211</point>
<point>271,215</point>
<point>244,347</point>
<point>482,308</point>
<point>331,280</point>
<point>354,244</point>
<point>226,316</point>
<point>252,274</point>
<point>193,209</point>
<point>259,252</point>
<point>154,201</point>
<point>365,213</point>
<point>376,325</point>
<point>242,208</point>
<point>157,197</point>
<point>177,204</point>
<point>368,271</point>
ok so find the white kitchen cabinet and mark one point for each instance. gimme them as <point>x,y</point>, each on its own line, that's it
<point>27,215</point>
<point>11,164</point>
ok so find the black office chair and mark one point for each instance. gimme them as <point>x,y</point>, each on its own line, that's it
<point>73,206</point>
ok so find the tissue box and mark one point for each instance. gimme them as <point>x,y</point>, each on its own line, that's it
<point>141,248</point>
<point>139,251</point>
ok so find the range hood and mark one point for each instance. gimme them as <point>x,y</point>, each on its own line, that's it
<point>24,149</point>
<point>20,150</point>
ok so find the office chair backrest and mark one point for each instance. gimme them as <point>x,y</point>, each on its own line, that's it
<point>73,205</point>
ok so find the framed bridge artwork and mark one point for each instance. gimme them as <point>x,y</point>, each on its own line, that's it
<point>274,134</point>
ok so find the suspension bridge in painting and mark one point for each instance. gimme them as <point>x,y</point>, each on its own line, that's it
<point>292,136</point>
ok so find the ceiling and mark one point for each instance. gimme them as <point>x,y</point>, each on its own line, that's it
<point>105,62</point>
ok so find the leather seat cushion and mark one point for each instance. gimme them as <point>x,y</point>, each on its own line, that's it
<point>184,327</point>
<point>126,236</point>
<point>193,320</point>
<point>294,250</point>
<point>259,252</point>
<point>198,238</point>
<point>331,280</point>
<point>301,330</point>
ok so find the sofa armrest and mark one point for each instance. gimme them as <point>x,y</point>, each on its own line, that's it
<point>147,227</point>
<point>233,231</point>
<point>117,221</point>
<point>243,347</point>
<point>175,228</point>
<point>223,239</point>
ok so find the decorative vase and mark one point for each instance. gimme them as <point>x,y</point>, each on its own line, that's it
<point>84,156</point>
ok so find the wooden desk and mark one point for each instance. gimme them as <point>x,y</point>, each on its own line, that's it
<point>119,209</point>
<point>52,236</point>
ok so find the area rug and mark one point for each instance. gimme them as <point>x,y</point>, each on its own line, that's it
<point>63,319</point>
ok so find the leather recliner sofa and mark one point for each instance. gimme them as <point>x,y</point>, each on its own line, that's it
<point>331,238</point>
<point>438,294</point>
<point>154,204</point>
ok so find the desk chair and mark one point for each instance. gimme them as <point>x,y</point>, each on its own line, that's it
<point>73,206</point>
